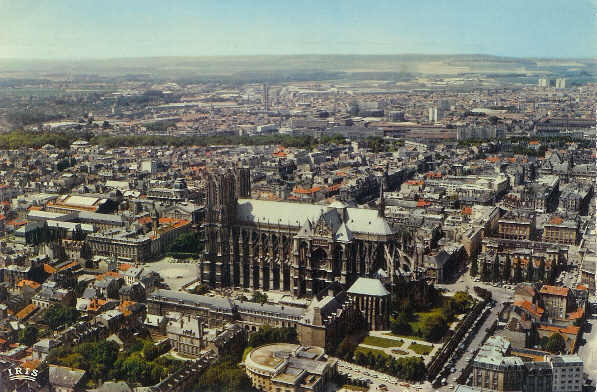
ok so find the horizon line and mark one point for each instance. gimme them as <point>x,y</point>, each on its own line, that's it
<point>461,54</point>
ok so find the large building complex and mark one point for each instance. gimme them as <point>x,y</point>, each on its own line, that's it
<point>299,248</point>
<point>289,368</point>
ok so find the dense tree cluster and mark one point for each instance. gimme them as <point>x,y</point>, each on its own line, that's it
<point>178,141</point>
<point>555,344</point>
<point>433,326</point>
<point>406,368</point>
<point>267,335</point>
<point>28,336</point>
<point>20,139</point>
<point>58,316</point>
<point>224,376</point>
<point>103,361</point>
<point>187,244</point>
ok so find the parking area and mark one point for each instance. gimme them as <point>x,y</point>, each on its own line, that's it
<point>380,381</point>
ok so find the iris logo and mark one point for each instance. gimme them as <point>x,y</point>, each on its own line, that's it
<point>18,373</point>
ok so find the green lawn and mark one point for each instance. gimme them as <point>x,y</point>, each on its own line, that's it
<point>366,350</point>
<point>420,318</point>
<point>382,342</point>
<point>421,349</point>
<point>354,388</point>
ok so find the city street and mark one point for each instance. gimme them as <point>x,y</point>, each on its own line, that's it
<point>500,295</point>
<point>378,378</point>
<point>588,351</point>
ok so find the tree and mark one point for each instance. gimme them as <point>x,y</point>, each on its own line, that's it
<point>267,335</point>
<point>530,271</point>
<point>474,266</point>
<point>259,297</point>
<point>434,328</point>
<point>58,315</point>
<point>345,348</point>
<point>462,301</point>
<point>201,289</point>
<point>189,242</point>
<point>150,351</point>
<point>518,272</point>
<point>553,272</point>
<point>495,275</point>
<point>400,325</point>
<point>28,336</point>
<point>507,268</point>
<point>540,275</point>
<point>556,344</point>
<point>485,275</point>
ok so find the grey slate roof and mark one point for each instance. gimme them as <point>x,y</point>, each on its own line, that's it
<point>358,220</point>
<point>65,377</point>
<point>111,386</point>
<point>224,304</point>
<point>368,286</point>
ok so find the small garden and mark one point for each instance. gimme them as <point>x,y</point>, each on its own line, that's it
<point>382,342</point>
<point>432,323</point>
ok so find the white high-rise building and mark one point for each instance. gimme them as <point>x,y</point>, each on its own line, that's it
<point>567,373</point>
<point>544,82</point>
<point>434,114</point>
<point>561,83</point>
<point>149,166</point>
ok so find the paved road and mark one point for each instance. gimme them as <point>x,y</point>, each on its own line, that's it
<point>588,352</point>
<point>500,295</point>
<point>378,378</point>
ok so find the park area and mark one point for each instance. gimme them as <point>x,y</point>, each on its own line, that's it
<point>430,324</point>
<point>376,343</point>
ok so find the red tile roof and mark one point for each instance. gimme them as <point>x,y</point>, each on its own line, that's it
<point>571,329</point>
<point>529,307</point>
<point>26,311</point>
<point>554,290</point>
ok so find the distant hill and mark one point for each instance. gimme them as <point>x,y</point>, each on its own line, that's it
<point>303,67</point>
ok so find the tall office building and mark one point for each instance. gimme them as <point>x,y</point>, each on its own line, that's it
<point>434,114</point>
<point>561,83</point>
<point>544,82</point>
<point>149,166</point>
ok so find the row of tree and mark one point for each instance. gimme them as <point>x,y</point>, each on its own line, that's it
<point>406,368</point>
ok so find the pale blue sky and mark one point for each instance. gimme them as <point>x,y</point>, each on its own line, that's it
<point>131,28</point>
